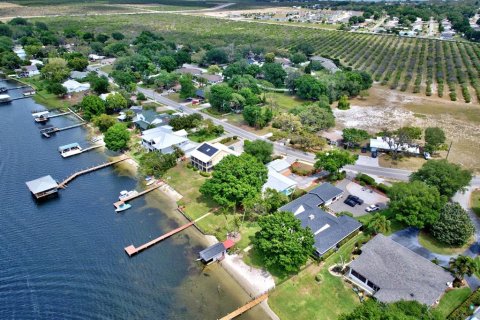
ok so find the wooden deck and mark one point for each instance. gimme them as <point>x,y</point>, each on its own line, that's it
<point>246,307</point>
<point>132,250</point>
<point>64,183</point>
<point>156,185</point>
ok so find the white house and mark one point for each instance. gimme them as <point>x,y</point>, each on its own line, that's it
<point>207,155</point>
<point>75,86</point>
<point>20,52</point>
<point>276,180</point>
<point>387,144</point>
<point>164,140</point>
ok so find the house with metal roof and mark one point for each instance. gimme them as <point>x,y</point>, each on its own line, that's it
<point>78,75</point>
<point>328,230</point>
<point>42,187</point>
<point>391,272</point>
<point>208,155</point>
<point>149,118</point>
<point>163,139</point>
<point>276,180</point>
<point>75,86</point>
<point>328,64</point>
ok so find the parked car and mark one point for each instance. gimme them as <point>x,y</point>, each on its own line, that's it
<point>350,202</point>
<point>372,208</point>
<point>374,154</point>
<point>427,156</point>
<point>364,150</point>
<point>355,199</point>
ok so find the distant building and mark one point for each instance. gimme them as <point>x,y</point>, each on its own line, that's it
<point>73,86</point>
<point>191,71</point>
<point>94,57</point>
<point>207,155</point>
<point>391,272</point>
<point>78,75</point>
<point>326,63</point>
<point>211,78</point>
<point>164,139</point>
<point>28,71</point>
<point>328,230</point>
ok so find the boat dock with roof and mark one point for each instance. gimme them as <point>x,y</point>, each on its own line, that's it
<point>43,187</point>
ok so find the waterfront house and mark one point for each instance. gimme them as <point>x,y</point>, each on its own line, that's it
<point>94,57</point>
<point>215,252</point>
<point>276,178</point>
<point>42,187</point>
<point>328,229</point>
<point>391,272</point>
<point>208,155</point>
<point>163,139</point>
<point>27,71</point>
<point>75,86</point>
<point>149,118</point>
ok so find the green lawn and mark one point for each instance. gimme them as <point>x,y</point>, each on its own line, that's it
<point>196,137</point>
<point>394,226</point>
<point>477,262</point>
<point>430,243</point>
<point>187,182</point>
<point>107,68</point>
<point>475,201</point>
<point>44,98</point>
<point>301,297</point>
<point>452,299</point>
<point>282,102</point>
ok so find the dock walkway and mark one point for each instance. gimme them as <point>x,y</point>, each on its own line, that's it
<point>64,183</point>
<point>246,307</point>
<point>156,185</point>
<point>132,250</point>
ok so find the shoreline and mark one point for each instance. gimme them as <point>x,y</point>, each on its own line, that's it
<point>253,281</point>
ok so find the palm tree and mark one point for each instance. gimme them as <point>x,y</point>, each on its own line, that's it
<point>461,266</point>
<point>379,224</point>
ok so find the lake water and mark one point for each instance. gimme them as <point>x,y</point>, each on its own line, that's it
<point>64,258</point>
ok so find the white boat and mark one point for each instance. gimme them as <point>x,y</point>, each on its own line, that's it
<point>69,150</point>
<point>123,207</point>
<point>96,139</point>
<point>126,194</point>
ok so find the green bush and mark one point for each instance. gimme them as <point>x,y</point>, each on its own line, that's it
<point>383,187</point>
<point>345,213</point>
<point>464,310</point>
<point>226,140</point>
<point>189,166</point>
<point>204,174</point>
<point>366,179</point>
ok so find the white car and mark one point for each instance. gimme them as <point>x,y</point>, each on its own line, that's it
<point>372,208</point>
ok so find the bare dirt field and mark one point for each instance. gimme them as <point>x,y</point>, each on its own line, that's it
<point>385,108</point>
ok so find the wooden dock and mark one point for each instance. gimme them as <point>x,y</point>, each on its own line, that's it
<point>131,250</point>
<point>59,114</point>
<point>64,183</point>
<point>46,132</point>
<point>246,307</point>
<point>156,185</point>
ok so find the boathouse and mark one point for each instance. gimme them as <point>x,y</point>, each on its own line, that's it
<point>215,252</point>
<point>42,187</point>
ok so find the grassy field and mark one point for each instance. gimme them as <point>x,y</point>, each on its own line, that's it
<point>452,299</point>
<point>46,99</point>
<point>302,297</point>
<point>430,243</point>
<point>475,201</point>
<point>282,102</point>
<point>407,162</point>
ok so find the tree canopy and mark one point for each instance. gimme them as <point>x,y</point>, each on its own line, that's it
<point>447,177</point>
<point>315,118</point>
<point>104,121</point>
<point>462,265</point>
<point>56,70</point>
<point>92,106</point>
<point>219,96</point>
<point>434,139</point>
<point>282,242</point>
<point>115,102</point>
<point>235,179</point>
<point>260,149</point>
<point>404,310</point>
<point>156,163</point>
<point>415,203</point>
<point>353,136</point>
<point>334,160</point>
<point>117,137</point>
<point>188,89</point>
<point>274,73</point>
<point>454,227</point>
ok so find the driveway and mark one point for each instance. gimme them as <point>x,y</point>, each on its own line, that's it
<point>351,188</point>
<point>367,161</point>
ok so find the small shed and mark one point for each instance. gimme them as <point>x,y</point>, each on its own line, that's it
<point>215,252</point>
<point>42,187</point>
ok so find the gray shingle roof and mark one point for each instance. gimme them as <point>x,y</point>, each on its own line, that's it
<point>212,251</point>
<point>326,192</point>
<point>314,198</point>
<point>400,273</point>
<point>42,184</point>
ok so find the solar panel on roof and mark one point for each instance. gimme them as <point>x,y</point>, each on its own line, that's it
<point>207,149</point>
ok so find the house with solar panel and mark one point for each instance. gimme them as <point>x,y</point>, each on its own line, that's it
<point>328,230</point>
<point>208,155</point>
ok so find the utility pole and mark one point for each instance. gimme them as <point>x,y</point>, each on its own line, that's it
<point>448,152</point>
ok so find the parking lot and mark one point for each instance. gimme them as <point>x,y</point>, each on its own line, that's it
<point>368,196</point>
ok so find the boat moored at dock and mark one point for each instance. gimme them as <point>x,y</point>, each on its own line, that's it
<point>127,194</point>
<point>123,207</point>
<point>5,98</point>
<point>69,150</point>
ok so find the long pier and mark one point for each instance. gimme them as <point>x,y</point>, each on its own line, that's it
<point>50,130</point>
<point>245,307</point>
<point>59,114</point>
<point>131,250</point>
<point>156,185</point>
<point>64,183</point>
